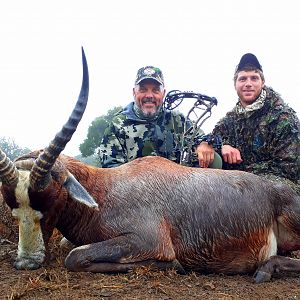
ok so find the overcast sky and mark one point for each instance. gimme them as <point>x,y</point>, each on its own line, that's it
<point>197,44</point>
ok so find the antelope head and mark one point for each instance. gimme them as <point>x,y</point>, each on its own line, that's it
<point>30,191</point>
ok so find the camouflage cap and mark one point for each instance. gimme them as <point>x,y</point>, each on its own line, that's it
<point>248,59</point>
<point>149,72</point>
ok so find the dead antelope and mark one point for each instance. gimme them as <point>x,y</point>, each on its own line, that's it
<point>150,211</point>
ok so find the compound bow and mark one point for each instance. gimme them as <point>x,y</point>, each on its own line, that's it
<point>202,111</point>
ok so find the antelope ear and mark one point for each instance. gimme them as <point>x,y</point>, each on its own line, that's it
<point>78,192</point>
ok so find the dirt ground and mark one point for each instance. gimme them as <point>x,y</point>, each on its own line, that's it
<point>53,281</point>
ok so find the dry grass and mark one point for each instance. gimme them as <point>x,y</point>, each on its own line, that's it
<point>54,282</point>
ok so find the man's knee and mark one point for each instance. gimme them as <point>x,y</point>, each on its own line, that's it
<point>217,162</point>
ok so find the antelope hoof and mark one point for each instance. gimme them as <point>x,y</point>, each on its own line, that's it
<point>26,264</point>
<point>262,276</point>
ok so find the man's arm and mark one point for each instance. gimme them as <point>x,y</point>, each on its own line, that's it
<point>229,153</point>
<point>112,151</point>
<point>205,149</point>
<point>285,149</point>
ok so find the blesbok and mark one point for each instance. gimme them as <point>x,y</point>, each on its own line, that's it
<point>150,211</point>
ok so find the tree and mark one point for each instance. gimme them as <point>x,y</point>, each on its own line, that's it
<point>91,160</point>
<point>11,149</point>
<point>96,131</point>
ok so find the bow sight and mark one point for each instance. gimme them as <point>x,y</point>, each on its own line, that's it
<point>196,116</point>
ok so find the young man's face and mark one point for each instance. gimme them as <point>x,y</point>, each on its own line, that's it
<point>148,96</point>
<point>248,86</point>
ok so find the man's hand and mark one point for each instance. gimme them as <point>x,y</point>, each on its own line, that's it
<point>205,154</point>
<point>231,155</point>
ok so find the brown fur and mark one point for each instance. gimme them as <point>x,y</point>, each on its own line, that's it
<point>154,211</point>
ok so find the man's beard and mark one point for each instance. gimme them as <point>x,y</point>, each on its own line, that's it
<point>145,114</point>
<point>148,114</point>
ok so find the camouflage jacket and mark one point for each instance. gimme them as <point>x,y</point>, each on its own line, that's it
<point>268,138</point>
<point>129,137</point>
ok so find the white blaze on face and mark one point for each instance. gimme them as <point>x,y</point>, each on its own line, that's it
<point>31,243</point>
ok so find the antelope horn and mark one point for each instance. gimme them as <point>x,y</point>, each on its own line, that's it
<point>9,174</point>
<point>40,173</point>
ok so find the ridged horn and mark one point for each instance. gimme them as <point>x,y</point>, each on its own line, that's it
<point>9,174</point>
<point>40,173</point>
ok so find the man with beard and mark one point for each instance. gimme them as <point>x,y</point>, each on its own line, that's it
<point>144,127</point>
<point>261,134</point>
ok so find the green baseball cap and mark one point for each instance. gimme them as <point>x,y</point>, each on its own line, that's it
<point>149,72</point>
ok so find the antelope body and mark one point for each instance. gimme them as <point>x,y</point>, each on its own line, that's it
<point>150,211</point>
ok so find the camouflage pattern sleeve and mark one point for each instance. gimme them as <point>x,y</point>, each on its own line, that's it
<point>222,128</point>
<point>268,140</point>
<point>284,146</point>
<point>112,152</point>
